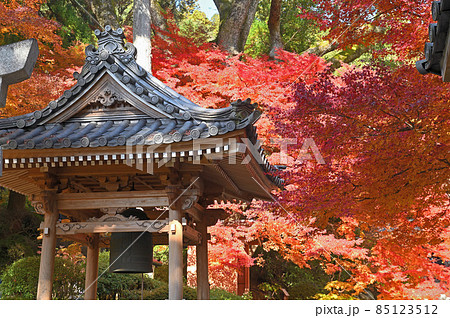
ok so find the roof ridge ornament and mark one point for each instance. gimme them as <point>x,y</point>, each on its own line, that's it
<point>110,40</point>
<point>242,108</point>
<point>111,45</point>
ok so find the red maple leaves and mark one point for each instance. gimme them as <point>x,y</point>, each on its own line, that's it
<point>377,207</point>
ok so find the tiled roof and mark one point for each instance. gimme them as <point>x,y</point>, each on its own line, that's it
<point>117,59</point>
<point>149,112</point>
<point>109,133</point>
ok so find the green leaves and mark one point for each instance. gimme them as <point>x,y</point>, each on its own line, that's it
<point>20,280</point>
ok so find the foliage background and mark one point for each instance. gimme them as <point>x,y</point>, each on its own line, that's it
<point>372,221</point>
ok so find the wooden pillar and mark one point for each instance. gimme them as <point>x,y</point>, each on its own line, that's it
<point>90,291</point>
<point>202,263</point>
<point>175,246</point>
<point>243,279</point>
<point>47,264</point>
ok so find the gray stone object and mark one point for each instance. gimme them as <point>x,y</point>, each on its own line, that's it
<point>17,61</point>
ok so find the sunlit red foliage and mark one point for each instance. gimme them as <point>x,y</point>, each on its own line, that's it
<point>378,208</point>
<point>400,24</point>
<point>383,135</point>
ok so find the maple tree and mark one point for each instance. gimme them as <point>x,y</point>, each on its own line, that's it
<point>201,75</point>
<point>389,26</point>
<point>383,132</point>
<point>378,208</point>
<point>383,135</point>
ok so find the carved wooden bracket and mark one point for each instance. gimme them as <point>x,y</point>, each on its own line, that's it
<point>92,240</point>
<point>189,198</point>
<point>182,199</point>
<point>38,206</point>
<point>193,194</point>
<point>112,218</point>
<point>45,202</point>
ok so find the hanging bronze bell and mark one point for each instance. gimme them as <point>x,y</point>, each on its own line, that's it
<point>131,252</point>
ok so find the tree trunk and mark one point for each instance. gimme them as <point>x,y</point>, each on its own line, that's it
<point>360,50</point>
<point>156,13</point>
<point>16,202</point>
<point>142,29</point>
<point>274,27</point>
<point>236,18</point>
<point>322,50</point>
<point>104,12</point>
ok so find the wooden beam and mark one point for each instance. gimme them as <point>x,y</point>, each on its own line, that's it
<point>191,235</point>
<point>88,170</point>
<point>79,186</point>
<point>111,195</point>
<point>72,228</point>
<point>144,183</point>
<point>209,216</point>
<point>195,213</point>
<point>98,200</point>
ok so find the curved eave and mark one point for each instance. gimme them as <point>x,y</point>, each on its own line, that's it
<point>244,173</point>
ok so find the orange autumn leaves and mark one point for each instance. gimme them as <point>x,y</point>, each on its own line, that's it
<point>20,20</point>
<point>378,207</point>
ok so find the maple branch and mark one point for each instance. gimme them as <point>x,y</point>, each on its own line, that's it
<point>337,113</point>
<point>389,114</point>
<point>407,122</point>
<point>290,39</point>
<point>444,161</point>
<point>382,13</point>
<point>322,50</point>
<point>399,173</point>
<point>360,199</point>
<point>357,54</point>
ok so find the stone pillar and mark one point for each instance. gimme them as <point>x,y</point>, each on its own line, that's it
<point>202,263</point>
<point>17,63</point>
<point>47,264</point>
<point>90,291</point>
<point>175,246</point>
